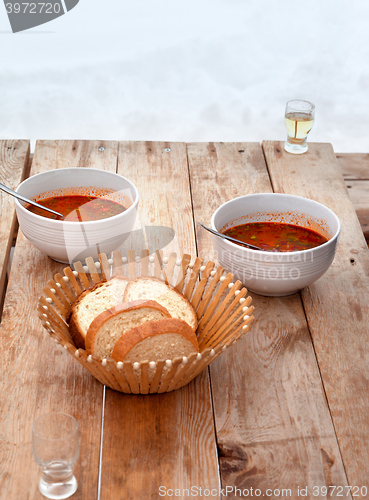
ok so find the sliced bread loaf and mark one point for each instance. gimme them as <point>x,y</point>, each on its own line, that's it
<point>112,324</point>
<point>93,301</point>
<point>151,288</point>
<point>156,340</point>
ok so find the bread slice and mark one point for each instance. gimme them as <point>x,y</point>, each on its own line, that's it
<point>151,288</point>
<point>157,340</point>
<point>112,324</point>
<point>93,301</point>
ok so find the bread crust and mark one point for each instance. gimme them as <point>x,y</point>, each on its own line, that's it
<point>170,287</point>
<point>150,329</point>
<point>74,329</point>
<point>113,311</point>
<point>76,334</point>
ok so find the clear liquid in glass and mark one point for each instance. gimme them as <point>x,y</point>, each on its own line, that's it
<point>299,120</point>
<point>57,479</point>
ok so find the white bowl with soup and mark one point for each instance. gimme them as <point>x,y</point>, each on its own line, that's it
<point>276,270</point>
<point>101,224</point>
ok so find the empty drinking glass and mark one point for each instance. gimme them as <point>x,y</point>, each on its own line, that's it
<point>299,120</point>
<point>55,446</point>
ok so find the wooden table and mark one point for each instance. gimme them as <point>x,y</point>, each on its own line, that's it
<point>355,171</point>
<point>287,409</point>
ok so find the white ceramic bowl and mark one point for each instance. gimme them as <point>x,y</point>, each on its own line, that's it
<point>276,273</point>
<point>67,241</point>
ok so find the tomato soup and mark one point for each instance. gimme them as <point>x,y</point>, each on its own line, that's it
<point>77,208</point>
<point>276,236</point>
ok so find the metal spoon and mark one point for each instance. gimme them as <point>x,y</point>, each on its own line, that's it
<point>23,198</point>
<point>225,237</point>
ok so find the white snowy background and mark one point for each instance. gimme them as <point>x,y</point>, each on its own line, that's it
<point>198,70</point>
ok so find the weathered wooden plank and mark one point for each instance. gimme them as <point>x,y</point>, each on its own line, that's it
<point>13,164</point>
<point>359,195</point>
<point>72,154</point>
<point>354,165</point>
<point>37,376</point>
<point>30,160</point>
<point>355,171</point>
<point>272,421</point>
<point>336,305</point>
<point>168,439</point>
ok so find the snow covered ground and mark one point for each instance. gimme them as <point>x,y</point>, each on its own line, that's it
<point>199,70</point>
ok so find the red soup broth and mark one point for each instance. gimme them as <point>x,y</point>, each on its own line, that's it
<point>77,208</point>
<point>276,236</point>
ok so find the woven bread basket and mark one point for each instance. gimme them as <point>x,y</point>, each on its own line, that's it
<point>223,309</point>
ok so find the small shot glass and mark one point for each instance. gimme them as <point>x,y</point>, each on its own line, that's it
<point>299,120</point>
<point>56,447</point>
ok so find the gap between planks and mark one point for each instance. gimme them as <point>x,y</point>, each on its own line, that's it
<point>101,445</point>
<point>207,368</point>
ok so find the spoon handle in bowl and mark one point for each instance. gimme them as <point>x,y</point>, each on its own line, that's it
<point>225,237</point>
<point>26,200</point>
